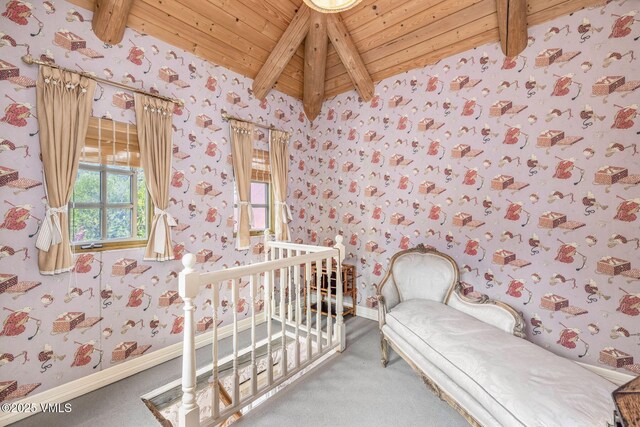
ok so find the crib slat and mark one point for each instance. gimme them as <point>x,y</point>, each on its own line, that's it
<point>268,292</point>
<point>296,278</point>
<point>307,284</point>
<point>275,303</point>
<point>340,330</point>
<point>319,306</point>
<point>254,368</point>
<point>339,301</point>
<point>216,383</point>
<point>283,320</point>
<point>329,318</point>
<point>236,378</point>
<point>289,286</point>
<point>286,262</point>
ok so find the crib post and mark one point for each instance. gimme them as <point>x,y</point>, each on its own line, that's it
<point>189,415</point>
<point>340,329</point>
<point>267,248</point>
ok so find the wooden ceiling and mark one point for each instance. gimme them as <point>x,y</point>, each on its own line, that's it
<point>392,36</point>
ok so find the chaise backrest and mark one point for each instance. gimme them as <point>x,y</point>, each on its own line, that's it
<point>423,274</point>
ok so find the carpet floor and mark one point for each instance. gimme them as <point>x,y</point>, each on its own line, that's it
<point>351,389</point>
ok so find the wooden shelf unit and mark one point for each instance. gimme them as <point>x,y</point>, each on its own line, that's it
<point>349,288</point>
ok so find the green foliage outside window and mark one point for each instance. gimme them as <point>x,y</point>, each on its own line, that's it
<point>102,211</point>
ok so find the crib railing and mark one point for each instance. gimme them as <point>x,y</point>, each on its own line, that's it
<point>286,269</point>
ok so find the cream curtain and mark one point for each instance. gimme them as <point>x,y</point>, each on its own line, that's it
<point>279,158</point>
<point>153,120</point>
<point>63,101</point>
<point>241,134</point>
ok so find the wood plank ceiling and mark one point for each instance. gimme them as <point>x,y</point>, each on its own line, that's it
<point>392,36</point>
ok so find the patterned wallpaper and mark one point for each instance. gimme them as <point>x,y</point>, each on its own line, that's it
<point>114,306</point>
<point>525,170</point>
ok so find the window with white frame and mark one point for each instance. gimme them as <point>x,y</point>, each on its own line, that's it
<point>261,196</point>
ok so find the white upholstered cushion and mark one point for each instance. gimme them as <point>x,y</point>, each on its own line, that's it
<point>453,390</point>
<point>518,382</point>
<point>426,276</point>
<point>488,313</point>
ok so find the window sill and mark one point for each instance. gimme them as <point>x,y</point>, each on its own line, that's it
<point>254,233</point>
<point>109,246</point>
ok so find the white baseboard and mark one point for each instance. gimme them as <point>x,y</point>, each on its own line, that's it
<point>366,312</point>
<point>92,382</point>
<point>615,377</point>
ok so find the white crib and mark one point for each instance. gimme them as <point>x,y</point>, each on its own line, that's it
<point>287,267</point>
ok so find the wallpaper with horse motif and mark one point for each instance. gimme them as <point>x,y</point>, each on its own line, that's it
<point>114,306</point>
<point>524,169</point>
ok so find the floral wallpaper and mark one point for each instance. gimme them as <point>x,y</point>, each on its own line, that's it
<point>114,306</point>
<point>524,169</point>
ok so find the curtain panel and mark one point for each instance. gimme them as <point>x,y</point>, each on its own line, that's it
<point>241,135</point>
<point>63,102</point>
<point>279,158</point>
<point>153,120</point>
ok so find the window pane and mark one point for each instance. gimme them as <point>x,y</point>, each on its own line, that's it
<point>259,192</point>
<point>87,187</point>
<point>259,218</point>
<point>118,223</point>
<point>118,188</point>
<point>142,206</point>
<point>85,225</point>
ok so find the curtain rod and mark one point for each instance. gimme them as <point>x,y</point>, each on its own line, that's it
<point>226,117</point>
<point>28,59</point>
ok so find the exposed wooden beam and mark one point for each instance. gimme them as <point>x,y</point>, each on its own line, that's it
<point>512,25</point>
<point>341,40</point>
<point>399,45</point>
<point>391,36</point>
<point>398,24</point>
<point>215,22</point>
<point>470,35</point>
<point>152,21</point>
<point>315,59</point>
<point>282,53</point>
<point>110,19</point>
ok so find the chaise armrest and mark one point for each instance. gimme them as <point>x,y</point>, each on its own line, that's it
<point>388,297</point>
<point>495,313</point>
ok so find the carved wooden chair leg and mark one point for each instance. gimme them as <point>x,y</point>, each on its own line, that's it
<point>431,386</point>
<point>384,349</point>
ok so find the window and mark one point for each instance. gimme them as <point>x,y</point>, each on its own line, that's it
<point>260,205</point>
<point>109,207</point>
<point>261,197</point>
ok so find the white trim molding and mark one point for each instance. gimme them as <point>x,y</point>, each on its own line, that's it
<point>362,311</point>
<point>65,392</point>
<point>366,312</point>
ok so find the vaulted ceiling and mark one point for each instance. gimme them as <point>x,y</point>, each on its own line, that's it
<point>392,36</point>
